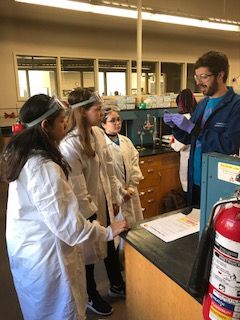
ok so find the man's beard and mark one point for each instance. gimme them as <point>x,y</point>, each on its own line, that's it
<point>211,90</point>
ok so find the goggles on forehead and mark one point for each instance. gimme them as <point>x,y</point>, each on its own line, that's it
<point>95,97</point>
<point>108,109</point>
<point>54,105</point>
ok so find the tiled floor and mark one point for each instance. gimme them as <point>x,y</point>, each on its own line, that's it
<point>9,307</point>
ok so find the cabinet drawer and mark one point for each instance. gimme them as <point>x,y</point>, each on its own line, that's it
<point>150,209</point>
<point>169,160</point>
<point>149,201</point>
<point>151,177</point>
<point>149,193</point>
<point>146,161</point>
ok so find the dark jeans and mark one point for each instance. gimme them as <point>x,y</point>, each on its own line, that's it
<point>112,265</point>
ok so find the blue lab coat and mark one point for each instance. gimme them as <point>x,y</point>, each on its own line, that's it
<point>221,131</point>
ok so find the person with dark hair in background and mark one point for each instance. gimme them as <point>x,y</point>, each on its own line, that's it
<point>95,186</point>
<point>215,124</point>
<point>186,103</point>
<point>44,224</point>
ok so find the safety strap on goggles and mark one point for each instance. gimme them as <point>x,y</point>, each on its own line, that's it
<point>54,106</point>
<point>94,98</point>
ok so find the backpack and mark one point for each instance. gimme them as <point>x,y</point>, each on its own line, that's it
<point>175,199</point>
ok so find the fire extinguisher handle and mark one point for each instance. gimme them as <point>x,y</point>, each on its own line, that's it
<point>234,199</point>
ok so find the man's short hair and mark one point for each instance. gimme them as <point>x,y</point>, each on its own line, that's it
<point>215,61</point>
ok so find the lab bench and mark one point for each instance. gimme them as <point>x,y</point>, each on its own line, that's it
<point>157,274</point>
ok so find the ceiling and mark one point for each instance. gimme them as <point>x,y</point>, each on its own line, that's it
<point>222,9</point>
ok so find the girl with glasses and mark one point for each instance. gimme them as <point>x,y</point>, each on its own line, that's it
<point>126,165</point>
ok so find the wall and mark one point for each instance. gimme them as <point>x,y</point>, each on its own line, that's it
<point>56,39</point>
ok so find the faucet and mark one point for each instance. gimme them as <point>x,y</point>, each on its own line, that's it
<point>155,133</point>
<point>141,134</point>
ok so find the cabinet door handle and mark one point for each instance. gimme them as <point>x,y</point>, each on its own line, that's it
<point>142,162</point>
<point>142,193</point>
<point>150,201</point>
<point>159,173</point>
<point>150,190</point>
<point>150,170</point>
<point>143,209</point>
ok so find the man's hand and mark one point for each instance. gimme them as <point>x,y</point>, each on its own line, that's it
<point>167,118</point>
<point>182,122</point>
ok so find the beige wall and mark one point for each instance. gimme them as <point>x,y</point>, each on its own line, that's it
<point>54,39</point>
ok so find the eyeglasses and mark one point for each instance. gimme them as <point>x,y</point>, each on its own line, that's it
<point>202,77</point>
<point>115,120</point>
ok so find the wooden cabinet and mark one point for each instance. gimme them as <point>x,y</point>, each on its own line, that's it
<point>152,295</point>
<point>161,174</point>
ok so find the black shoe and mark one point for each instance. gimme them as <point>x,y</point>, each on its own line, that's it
<point>99,306</point>
<point>117,291</point>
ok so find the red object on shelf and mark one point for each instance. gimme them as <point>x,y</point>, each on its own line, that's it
<point>17,127</point>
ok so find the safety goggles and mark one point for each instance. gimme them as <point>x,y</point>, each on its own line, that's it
<point>202,77</point>
<point>95,97</point>
<point>54,105</point>
<point>107,110</point>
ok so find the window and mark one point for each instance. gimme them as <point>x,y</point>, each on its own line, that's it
<point>171,75</point>
<point>191,84</point>
<point>148,79</point>
<point>76,73</point>
<point>112,77</point>
<point>36,75</point>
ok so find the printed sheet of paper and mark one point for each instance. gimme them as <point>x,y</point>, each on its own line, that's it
<point>175,226</point>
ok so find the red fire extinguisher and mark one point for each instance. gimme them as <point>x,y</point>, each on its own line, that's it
<point>222,299</point>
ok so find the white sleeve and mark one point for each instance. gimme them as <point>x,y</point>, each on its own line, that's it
<point>114,182</point>
<point>135,174</point>
<point>56,203</point>
<point>85,201</point>
<point>177,145</point>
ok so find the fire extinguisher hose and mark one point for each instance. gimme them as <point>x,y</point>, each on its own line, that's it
<point>198,280</point>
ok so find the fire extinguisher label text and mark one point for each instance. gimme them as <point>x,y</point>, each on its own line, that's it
<point>225,278</point>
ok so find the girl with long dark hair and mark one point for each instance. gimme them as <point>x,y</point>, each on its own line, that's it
<point>44,223</point>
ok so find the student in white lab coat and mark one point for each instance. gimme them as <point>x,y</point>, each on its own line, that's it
<point>44,224</point>
<point>95,187</point>
<point>126,165</point>
<point>186,103</point>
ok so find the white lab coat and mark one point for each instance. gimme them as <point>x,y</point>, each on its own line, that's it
<point>126,164</point>
<point>184,155</point>
<point>44,228</point>
<point>94,184</point>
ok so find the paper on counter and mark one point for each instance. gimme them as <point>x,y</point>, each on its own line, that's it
<point>174,226</point>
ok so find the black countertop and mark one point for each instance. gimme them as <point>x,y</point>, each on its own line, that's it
<point>175,258</point>
<point>150,151</point>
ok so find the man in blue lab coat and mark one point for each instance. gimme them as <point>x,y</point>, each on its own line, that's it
<point>215,123</point>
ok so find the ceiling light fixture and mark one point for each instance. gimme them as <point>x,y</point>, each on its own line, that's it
<point>127,13</point>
